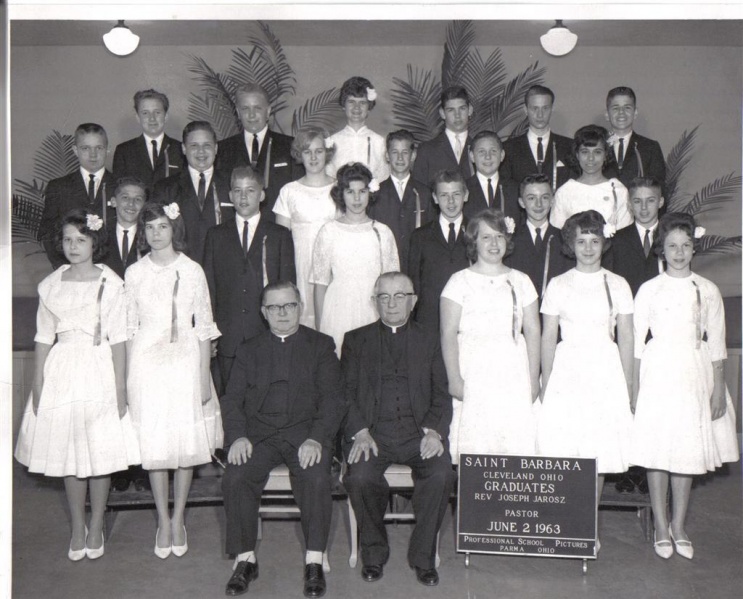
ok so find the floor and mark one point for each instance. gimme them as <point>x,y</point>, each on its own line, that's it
<point>626,566</point>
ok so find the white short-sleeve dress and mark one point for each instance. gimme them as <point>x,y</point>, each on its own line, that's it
<point>363,146</point>
<point>610,198</point>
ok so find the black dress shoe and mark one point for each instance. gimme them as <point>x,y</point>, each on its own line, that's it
<point>428,577</point>
<point>141,484</point>
<point>119,484</point>
<point>245,572</point>
<point>314,580</point>
<point>625,484</point>
<point>372,573</point>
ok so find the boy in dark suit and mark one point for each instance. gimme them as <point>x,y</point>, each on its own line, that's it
<point>448,150</point>
<point>241,257</point>
<point>539,150</point>
<point>88,187</point>
<point>152,156</point>
<point>130,195</point>
<point>437,250</point>
<point>486,188</point>
<point>534,239</point>
<point>266,151</point>
<point>634,155</point>
<point>201,191</point>
<point>402,203</point>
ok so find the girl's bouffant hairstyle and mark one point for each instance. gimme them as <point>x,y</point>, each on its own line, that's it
<point>356,87</point>
<point>492,218</point>
<point>78,218</point>
<point>673,221</point>
<point>353,171</point>
<point>589,221</point>
<point>590,136</point>
<point>304,138</point>
<point>152,211</point>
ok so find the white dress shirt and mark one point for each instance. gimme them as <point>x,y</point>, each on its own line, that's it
<point>252,226</point>
<point>158,140</point>
<point>248,136</point>
<point>120,238</point>
<point>534,142</point>
<point>444,224</point>
<point>400,185</point>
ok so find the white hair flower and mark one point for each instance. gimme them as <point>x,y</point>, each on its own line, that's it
<point>328,143</point>
<point>371,94</point>
<point>609,230</point>
<point>374,186</point>
<point>93,222</point>
<point>510,225</point>
<point>172,210</point>
<point>698,232</point>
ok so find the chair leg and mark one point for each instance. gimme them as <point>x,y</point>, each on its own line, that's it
<point>354,534</point>
<point>260,527</point>
<point>438,542</point>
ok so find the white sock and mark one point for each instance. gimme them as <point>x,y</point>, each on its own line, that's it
<point>247,556</point>
<point>313,557</point>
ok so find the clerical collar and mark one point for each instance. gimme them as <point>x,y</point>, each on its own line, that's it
<point>395,330</point>
<point>284,338</point>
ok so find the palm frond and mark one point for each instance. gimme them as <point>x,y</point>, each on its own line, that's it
<point>27,206</point>
<point>484,80</point>
<point>256,67</point>
<point>716,244</point>
<point>219,92</point>
<point>521,127</point>
<point>321,111</point>
<point>415,103</point>
<point>506,108</point>
<point>460,35</point>
<point>212,108</point>
<point>284,78</point>
<point>713,194</point>
<point>55,158</point>
<point>676,162</point>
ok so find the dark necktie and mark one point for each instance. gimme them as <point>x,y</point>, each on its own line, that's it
<point>538,240</point>
<point>540,154</point>
<point>620,157</point>
<point>154,153</point>
<point>202,190</point>
<point>255,150</point>
<point>490,193</point>
<point>646,243</point>
<point>125,247</point>
<point>91,189</point>
<point>245,239</point>
<point>452,239</point>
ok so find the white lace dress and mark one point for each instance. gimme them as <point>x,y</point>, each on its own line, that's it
<point>610,198</point>
<point>168,314</point>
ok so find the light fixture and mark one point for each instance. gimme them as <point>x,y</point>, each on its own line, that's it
<point>559,40</point>
<point>120,40</point>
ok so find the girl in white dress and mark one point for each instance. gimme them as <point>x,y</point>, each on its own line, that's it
<point>350,253</point>
<point>305,205</point>
<point>490,338</point>
<point>174,405</point>
<point>684,417</point>
<point>76,423</point>
<point>587,377</point>
<point>356,142</point>
<point>591,190</point>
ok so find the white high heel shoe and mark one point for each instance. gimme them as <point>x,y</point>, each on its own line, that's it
<point>161,552</point>
<point>663,549</point>
<point>75,555</point>
<point>683,548</point>
<point>180,550</point>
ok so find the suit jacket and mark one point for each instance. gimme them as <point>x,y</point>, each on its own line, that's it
<point>232,152</point>
<point>316,405</point>
<point>113,258</point>
<point>519,160</point>
<point>179,188</point>
<point>430,264</point>
<point>651,157</point>
<point>626,258</point>
<point>236,282</point>
<point>527,259</point>
<point>133,159</point>
<point>399,215</point>
<point>64,194</point>
<point>436,155</point>
<point>477,202</point>
<point>361,363</point>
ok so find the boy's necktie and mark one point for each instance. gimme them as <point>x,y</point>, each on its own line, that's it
<point>202,190</point>
<point>538,240</point>
<point>254,151</point>
<point>452,239</point>
<point>540,154</point>
<point>620,154</point>
<point>245,239</point>
<point>125,247</point>
<point>91,189</point>
<point>490,193</point>
<point>646,243</point>
<point>154,153</point>
<point>458,147</point>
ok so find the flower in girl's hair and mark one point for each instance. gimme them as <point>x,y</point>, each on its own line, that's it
<point>510,225</point>
<point>371,94</point>
<point>609,230</point>
<point>328,143</point>
<point>698,232</point>
<point>93,222</point>
<point>172,211</point>
<point>374,186</point>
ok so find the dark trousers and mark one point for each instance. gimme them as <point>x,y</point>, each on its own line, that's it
<point>224,367</point>
<point>243,485</point>
<point>369,493</point>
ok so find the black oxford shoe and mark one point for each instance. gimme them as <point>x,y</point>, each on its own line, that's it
<point>372,573</point>
<point>428,577</point>
<point>314,580</point>
<point>119,484</point>
<point>245,572</point>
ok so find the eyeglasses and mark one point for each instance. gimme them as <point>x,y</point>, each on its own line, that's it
<point>289,308</point>
<point>399,296</point>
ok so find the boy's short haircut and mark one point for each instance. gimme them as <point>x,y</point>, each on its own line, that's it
<point>649,182</point>
<point>622,90</point>
<point>86,128</point>
<point>400,135</point>
<point>448,176</point>
<point>129,180</point>
<point>535,179</point>
<point>454,92</point>
<point>246,172</point>
<point>356,87</point>
<point>151,94</point>
<point>486,135</point>
<point>251,88</point>
<point>538,90</point>
<point>198,126</point>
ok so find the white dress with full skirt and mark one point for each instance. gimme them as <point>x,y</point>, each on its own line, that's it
<point>496,413</point>
<point>348,259</point>
<point>586,411</point>
<point>308,209</point>
<point>77,430</point>
<point>673,427</point>
<point>164,387</point>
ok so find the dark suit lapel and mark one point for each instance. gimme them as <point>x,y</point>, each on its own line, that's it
<point>525,151</point>
<point>145,153</point>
